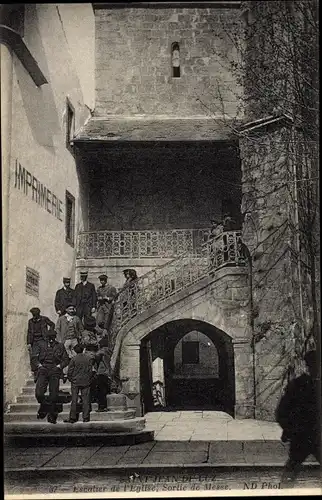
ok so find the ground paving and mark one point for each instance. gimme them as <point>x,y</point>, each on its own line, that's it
<point>209,426</point>
<point>156,453</point>
<point>181,438</point>
<point>192,451</point>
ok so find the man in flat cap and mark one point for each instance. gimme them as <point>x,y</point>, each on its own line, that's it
<point>64,296</point>
<point>49,358</point>
<point>85,297</point>
<point>38,326</point>
<point>106,295</point>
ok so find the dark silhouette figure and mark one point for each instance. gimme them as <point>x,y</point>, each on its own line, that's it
<point>298,413</point>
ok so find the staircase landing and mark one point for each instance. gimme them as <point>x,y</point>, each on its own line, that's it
<point>21,427</point>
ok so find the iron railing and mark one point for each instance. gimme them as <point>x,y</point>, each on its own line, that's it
<point>174,276</point>
<point>140,244</point>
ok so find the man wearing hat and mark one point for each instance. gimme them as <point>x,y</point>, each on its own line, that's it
<point>38,326</point>
<point>85,297</point>
<point>48,359</point>
<point>64,296</point>
<point>89,335</point>
<point>105,297</point>
<point>69,329</point>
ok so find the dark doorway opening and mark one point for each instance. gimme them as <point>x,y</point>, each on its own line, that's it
<point>187,365</point>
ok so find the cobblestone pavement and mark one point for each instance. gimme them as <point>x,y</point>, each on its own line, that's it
<point>245,454</point>
<point>209,426</point>
<point>155,453</point>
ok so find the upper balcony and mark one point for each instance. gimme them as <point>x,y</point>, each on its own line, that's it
<point>145,244</point>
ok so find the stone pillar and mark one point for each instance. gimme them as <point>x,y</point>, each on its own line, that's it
<point>244,379</point>
<point>130,375</point>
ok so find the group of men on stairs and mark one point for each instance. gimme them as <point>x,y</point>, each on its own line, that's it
<point>80,353</point>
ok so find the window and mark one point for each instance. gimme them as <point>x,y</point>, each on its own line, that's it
<point>70,124</point>
<point>175,57</point>
<point>70,219</point>
<point>190,353</point>
<point>32,282</point>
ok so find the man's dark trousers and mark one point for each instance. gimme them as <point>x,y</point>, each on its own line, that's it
<point>86,403</point>
<point>48,377</point>
<point>103,388</point>
<point>83,311</point>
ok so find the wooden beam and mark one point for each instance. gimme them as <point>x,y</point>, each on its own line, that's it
<point>14,41</point>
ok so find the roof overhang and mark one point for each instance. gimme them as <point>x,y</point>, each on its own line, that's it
<point>134,129</point>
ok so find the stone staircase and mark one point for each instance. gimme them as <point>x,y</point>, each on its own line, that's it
<point>168,280</point>
<point>151,289</point>
<point>118,424</point>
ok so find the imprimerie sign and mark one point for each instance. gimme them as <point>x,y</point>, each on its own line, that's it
<point>39,193</point>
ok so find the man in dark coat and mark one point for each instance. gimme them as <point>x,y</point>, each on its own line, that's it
<point>80,374</point>
<point>85,296</point>
<point>298,413</point>
<point>64,297</point>
<point>38,326</point>
<point>49,358</point>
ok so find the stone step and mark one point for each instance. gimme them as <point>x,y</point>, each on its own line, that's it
<point>31,383</point>
<point>30,389</point>
<point>31,400</point>
<point>31,405</point>
<point>40,427</point>
<point>25,398</point>
<point>31,416</point>
<point>79,439</point>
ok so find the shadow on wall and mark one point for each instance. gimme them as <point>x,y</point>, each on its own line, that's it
<point>39,102</point>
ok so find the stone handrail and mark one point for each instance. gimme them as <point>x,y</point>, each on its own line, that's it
<point>140,244</point>
<point>172,277</point>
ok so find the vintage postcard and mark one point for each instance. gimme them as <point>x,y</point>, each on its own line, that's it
<point>161,249</point>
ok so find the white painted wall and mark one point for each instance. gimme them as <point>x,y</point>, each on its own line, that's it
<point>36,238</point>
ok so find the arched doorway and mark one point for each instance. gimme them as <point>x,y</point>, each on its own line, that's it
<point>187,364</point>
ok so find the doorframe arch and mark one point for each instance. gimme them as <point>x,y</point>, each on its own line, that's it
<point>242,358</point>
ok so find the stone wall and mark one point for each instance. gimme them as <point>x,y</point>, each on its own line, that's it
<point>269,212</point>
<point>221,301</point>
<point>208,364</point>
<point>164,187</point>
<point>133,61</point>
<point>36,234</point>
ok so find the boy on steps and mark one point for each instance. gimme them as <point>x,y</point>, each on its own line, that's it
<point>80,373</point>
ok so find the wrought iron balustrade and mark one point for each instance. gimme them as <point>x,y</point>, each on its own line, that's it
<point>141,244</point>
<point>176,275</point>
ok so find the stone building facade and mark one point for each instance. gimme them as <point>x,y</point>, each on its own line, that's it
<point>162,145</point>
<point>47,91</point>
